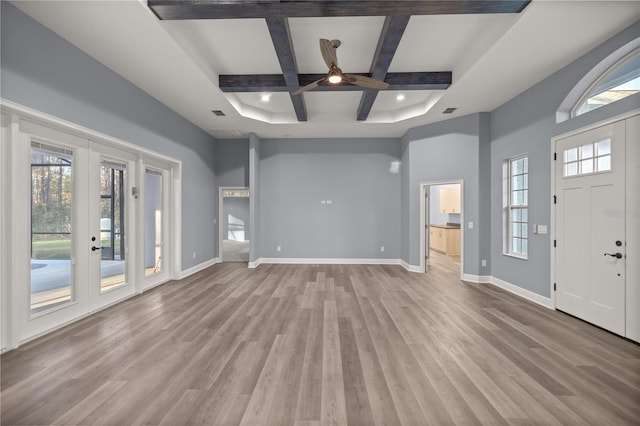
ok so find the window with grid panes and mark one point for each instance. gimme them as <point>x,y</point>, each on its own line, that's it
<point>518,206</point>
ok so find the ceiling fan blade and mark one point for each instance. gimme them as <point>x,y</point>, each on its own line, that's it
<point>328,50</point>
<point>309,86</point>
<point>368,82</point>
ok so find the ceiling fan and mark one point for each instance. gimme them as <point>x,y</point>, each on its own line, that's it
<point>335,74</point>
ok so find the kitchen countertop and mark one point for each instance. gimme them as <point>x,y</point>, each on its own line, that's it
<point>445,226</point>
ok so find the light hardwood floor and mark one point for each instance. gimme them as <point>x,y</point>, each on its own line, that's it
<point>330,344</point>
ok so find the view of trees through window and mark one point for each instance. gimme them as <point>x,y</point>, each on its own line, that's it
<point>51,228</point>
<point>111,210</point>
<point>50,205</point>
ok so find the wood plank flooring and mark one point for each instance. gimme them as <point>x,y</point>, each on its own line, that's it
<point>309,345</point>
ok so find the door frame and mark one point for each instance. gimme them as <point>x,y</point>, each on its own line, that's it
<point>5,165</point>
<point>424,206</point>
<point>553,221</point>
<point>221,189</point>
<point>134,237</point>
<point>24,124</point>
<point>168,225</point>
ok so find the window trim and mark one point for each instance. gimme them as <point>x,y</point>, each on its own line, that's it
<point>603,76</point>
<point>509,222</point>
<point>563,113</point>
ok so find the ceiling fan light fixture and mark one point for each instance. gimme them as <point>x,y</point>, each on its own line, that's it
<point>335,78</point>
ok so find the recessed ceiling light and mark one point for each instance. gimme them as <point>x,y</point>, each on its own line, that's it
<point>400,97</point>
<point>265,98</point>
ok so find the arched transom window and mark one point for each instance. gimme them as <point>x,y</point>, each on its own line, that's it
<point>618,82</point>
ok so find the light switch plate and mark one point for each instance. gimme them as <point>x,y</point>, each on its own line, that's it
<point>542,229</point>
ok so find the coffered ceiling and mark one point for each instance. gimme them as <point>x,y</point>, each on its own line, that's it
<point>195,66</point>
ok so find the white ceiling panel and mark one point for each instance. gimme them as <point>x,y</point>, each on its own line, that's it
<point>277,103</point>
<point>332,106</point>
<point>387,100</point>
<point>227,46</point>
<point>359,37</point>
<point>444,42</point>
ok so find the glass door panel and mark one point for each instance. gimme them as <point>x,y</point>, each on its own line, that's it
<point>51,227</point>
<point>153,222</point>
<point>113,184</point>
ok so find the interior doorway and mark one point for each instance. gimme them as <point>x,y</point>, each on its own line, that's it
<point>440,223</point>
<point>234,225</point>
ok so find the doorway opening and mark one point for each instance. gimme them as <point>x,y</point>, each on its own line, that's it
<point>234,225</point>
<point>441,216</point>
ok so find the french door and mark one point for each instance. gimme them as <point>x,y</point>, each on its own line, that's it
<point>86,221</point>
<point>79,235</point>
<point>111,218</point>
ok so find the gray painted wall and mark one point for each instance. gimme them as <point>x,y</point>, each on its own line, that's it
<point>354,174</point>
<point>232,162</point>
<point>255,185</point>
<point>231,168</point>
<point>444,151</point>
<point>44,72</point>
<point>526,124</point>
<point>405,174</point>
<point>484,196</point>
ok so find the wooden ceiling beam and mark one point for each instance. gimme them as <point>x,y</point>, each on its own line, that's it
<point>237,9</point>
<point>276,82</point>
<point>281,37</point>
<point>390,37</point>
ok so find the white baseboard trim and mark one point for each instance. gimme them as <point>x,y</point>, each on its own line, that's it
<point>524,293</point>
<point>323,261</point>
<point>154,285</point>
<point>255,264</point>
<point>410,268</point>
<point>199,267</point>
<point>480,279</point>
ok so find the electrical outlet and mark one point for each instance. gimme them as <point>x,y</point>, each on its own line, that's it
<point>484,262</point>
<point>382,248</point>
<point>470,225</point>
<point>278,248</point>
<point>194,254</point>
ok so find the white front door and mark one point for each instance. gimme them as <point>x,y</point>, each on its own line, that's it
<point>590,220</point>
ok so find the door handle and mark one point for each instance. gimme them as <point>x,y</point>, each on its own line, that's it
<point>94,248</point>
<point>616,255</point>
